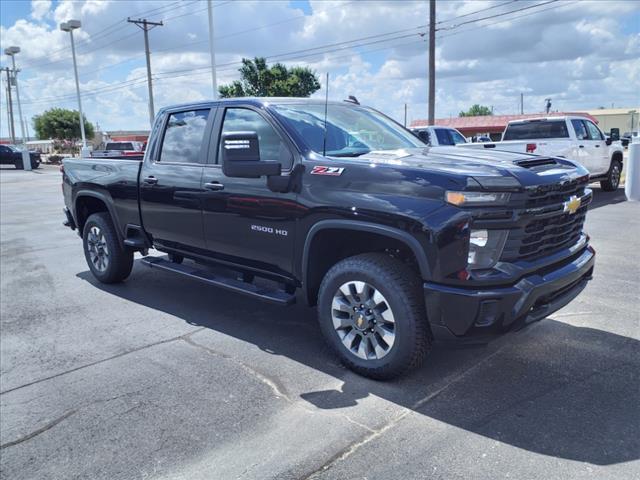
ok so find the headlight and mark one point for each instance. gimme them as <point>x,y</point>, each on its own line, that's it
<point>485,247</point>
<point>476,198</point>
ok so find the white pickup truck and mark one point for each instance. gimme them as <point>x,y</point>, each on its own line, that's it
<point>573,137</point>
<point>436,136</point>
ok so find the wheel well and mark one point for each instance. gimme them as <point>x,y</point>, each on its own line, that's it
<point>331,245</point>
<point>86,206</point>
<point>616,156</point>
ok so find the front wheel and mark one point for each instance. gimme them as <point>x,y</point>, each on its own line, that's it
<point>612,181</point>
<point>371,312</point>
<point>108,260</point>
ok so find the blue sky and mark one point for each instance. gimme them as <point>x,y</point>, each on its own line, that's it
<point>581,54</point>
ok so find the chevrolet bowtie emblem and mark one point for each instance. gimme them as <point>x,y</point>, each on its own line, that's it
<point>572,205</point>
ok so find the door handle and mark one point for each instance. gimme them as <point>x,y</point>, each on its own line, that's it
<point>151,180</point>
<point>580,146</point>
<point>597,146</point>
<point>215,186</point>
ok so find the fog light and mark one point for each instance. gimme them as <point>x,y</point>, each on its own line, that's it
<point>485,247</point>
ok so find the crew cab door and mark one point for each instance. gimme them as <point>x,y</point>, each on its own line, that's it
<point>590,149</point>
<point>583,150</point>
<point>246,223</point>
<point>600,150</point>
<point>171,180</point>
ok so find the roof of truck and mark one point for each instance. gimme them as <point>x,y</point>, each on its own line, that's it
<point>259,101</point>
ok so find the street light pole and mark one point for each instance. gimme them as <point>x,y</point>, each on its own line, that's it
<point>70,26</point>
<point>26,160</point>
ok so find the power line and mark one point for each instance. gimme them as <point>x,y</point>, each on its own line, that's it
<point>499,15</point>
<point>108,31</point>
<point>295,55</point>
<point>563,4</point>
<point>477,11</point>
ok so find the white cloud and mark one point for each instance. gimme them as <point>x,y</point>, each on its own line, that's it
<point>582,54</point>
<point>40,9</point>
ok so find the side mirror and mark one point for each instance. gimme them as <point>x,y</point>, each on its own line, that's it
<point>241,156</point>
<point>615,134</point>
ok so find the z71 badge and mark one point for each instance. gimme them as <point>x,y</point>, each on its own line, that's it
<point>331,171</point>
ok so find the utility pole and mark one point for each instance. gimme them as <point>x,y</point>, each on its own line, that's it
<point>522,104</point>
<point>212,51</point>
<point>12,127</point>
<point>405,115</point>
<point>432,61</point>
<point>145,25</point>
<point>26,159</point>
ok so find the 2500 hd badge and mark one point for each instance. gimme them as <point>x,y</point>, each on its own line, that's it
<point>270,230</point>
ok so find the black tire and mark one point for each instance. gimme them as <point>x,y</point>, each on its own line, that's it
<point>402,290</point>
<point>612,182</point>
<point>118,262</point>
<point>18,164</point>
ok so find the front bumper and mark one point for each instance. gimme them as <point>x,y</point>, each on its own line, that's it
<point>458,313</point>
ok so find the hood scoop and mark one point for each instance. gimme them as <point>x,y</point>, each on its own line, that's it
<point>536,162</point>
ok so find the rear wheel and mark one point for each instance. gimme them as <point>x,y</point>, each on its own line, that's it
<point>108,259</point>
<point>612,181</point>
<point>372,314</point>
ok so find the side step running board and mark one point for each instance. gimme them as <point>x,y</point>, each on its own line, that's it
<point>271,295</point>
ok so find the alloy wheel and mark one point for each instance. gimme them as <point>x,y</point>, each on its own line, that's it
<point>98,250</point>
<point>363,320</point>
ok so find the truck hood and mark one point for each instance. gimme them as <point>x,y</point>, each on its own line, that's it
<point>486,167</point>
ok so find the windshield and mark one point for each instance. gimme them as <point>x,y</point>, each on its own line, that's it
<point>536,129</point>
<point>351,130</point>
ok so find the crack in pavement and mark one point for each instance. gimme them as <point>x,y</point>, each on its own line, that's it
<point>97,362</point>
<point>278,389</point>
<point>40,430</point>
<point>452,379</point>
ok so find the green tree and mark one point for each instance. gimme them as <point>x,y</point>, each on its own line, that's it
<point>257,79</point>
<point>61,124</point>
<point>476,111</point>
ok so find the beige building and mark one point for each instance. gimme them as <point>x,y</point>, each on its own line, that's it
<point>624,119</point>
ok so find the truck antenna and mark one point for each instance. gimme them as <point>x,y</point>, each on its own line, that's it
<point>326,105</point>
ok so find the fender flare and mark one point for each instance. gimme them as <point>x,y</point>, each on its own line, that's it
<point>108,203</point>
<point>391,232</point>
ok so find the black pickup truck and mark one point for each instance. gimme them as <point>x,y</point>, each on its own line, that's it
<point>397,243</point>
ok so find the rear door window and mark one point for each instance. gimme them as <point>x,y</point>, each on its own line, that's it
<point>537,129</point>
<point>183,137</point>
<point>581,130</point>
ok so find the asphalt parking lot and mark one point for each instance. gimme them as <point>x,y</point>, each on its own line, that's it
<point>162,377</point>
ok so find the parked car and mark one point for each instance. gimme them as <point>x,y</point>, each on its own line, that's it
<point>12,155</point>
<point>573,137</point>
<point>120,150</point>
<point>626,138</point>
<point>438,136</point>
<point>395,243</point>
